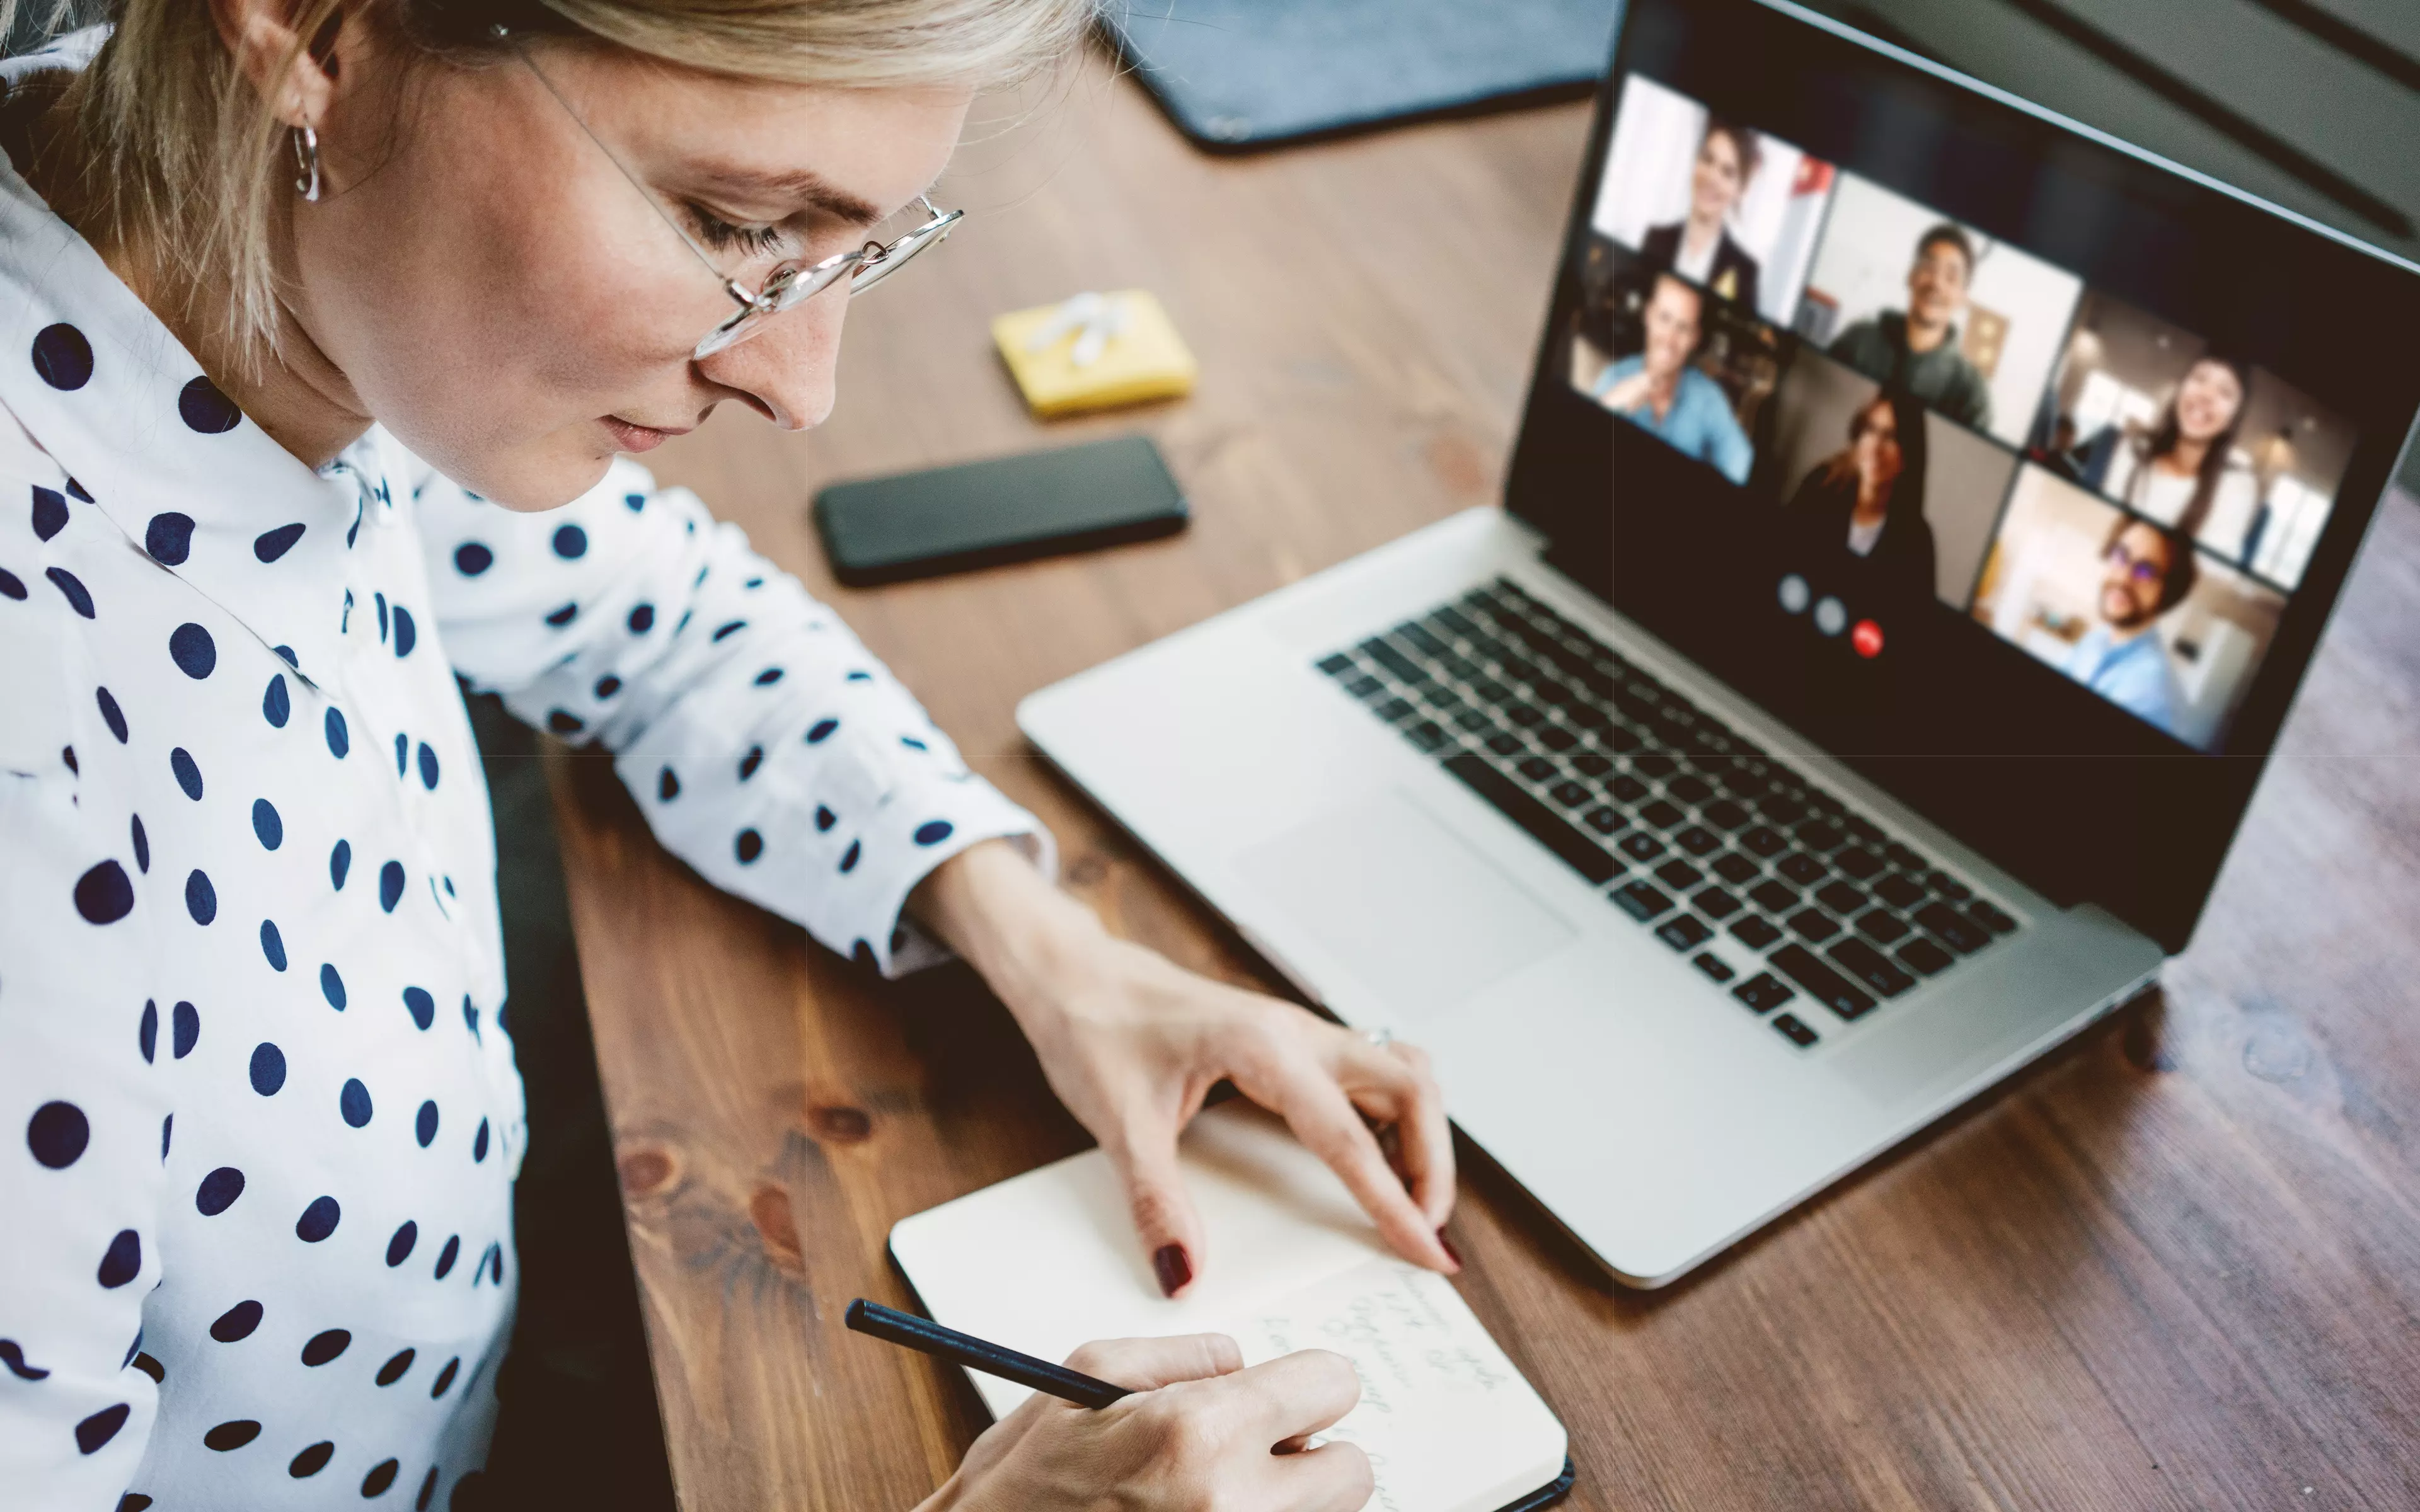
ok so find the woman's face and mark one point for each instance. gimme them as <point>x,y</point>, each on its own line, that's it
<point>1879,458</point>
<point>1671,326</point>
<point>500,296</point>
<point>1716,185</point>
<point>2208,401</point>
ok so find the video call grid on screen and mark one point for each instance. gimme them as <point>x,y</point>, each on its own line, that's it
<point>2059,501</point>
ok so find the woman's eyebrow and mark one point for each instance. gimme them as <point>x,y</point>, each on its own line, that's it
<point>803,186</point>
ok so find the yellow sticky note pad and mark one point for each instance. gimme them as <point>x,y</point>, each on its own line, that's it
<point>1143,357</point>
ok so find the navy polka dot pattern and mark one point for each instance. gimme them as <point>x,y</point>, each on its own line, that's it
<point>343,603</point>
<point>62,357</point>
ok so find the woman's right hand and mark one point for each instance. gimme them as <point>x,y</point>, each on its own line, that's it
<point>1199,1435</point>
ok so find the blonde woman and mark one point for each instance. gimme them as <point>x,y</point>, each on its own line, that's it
<point>325,323</point>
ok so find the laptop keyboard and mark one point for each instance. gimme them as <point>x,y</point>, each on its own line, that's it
<point>1690,827</point>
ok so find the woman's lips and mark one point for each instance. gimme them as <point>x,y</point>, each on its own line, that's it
<point>630,438</point>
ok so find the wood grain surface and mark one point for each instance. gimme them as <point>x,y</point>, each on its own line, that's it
<point>2175,1265</point>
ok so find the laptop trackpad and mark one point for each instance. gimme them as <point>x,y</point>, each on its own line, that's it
<point>1417,914</point>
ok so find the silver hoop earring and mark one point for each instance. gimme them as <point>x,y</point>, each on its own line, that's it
<point>306,163</point>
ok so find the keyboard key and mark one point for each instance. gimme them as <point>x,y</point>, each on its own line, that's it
<point>1543,824</point>
<point>1826,804</point>
<point>1713,965</point>
<point>1818,835</point>
<point>1662,814</point>
<point>1795,1031</point>
<point>1987,913</point>
<point>1416,635</point>
<point>1812,924</point>
<point>1621,740</point>
<point>1822,983</point>
<point>1858,862</point>
<point>1898,892</point>
<point>1363,687</point>
<point>1641,846</point>
<point>1841,897</point>
<point>1949,886</point>
<point>1780,808</point>
<point>1699,841</point>
<point>1766,842</point>
<point>1405,667</point>
<point>1453,622</point>
<point>1570,795</point>
<point>1393,710</point>
<point>1505,744</point>
<point>1736,869</point>
<point>1555,738</point>
<point>1960,933</point>
<point>1755,933</point>
<point>1337,665</point>
<point>1627,789</point>
<point>1723,814</point>
<point>1605,820</point>
<point>1537,768</point>
<point>1864,829</point>
<point>1800,868</point>
<point>1883,925</point>
<point>1527,715</point>
<point>1870,966</point>
<point>1592,763</point>
<point>1472,722</point>
<point>1641,900</point>
<point>1765,991</point>
<point>1905,859</point>
<point>1689,789</point>
<point>1428,734</point>
<point>1457,668</point>
<point>1491,692</point>
<point>1656,765</point>
<point>1685,932</point>
<point>1716,904</point>
<point>1774,897</point>
<point>1920,954</point>
<point>1679,875</point>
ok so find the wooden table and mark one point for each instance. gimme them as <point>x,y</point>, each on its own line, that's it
<point>2177,1265</point>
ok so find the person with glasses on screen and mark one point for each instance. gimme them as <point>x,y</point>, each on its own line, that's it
<point>2147,570</point>
<point>1659,390</point>
<point>1917,349</point>
<point>328,323</point>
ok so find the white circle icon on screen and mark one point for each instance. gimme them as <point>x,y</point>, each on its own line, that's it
<point>1794,593</point>
<point>1831,615</point>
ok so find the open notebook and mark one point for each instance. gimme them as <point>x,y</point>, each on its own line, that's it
<point>1046,1260</point>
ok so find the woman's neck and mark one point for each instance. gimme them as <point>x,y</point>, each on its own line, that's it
<point>294,393</point>
<point>2184,458</point>
<point>1701,230</point>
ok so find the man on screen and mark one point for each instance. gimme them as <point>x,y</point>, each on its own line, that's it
<point>2146,572</point>
<point>1917,352</point>
<point>1659,392</point>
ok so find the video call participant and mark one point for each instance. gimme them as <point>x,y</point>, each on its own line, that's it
<point>2148,571</point>
<point>1869,495</point>
<point>1659,392</point>
<point>1917,351</point>
<point>2186,472</point>
<point>1701,248</point>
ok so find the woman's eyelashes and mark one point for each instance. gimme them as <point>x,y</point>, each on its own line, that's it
<point>721,235</point>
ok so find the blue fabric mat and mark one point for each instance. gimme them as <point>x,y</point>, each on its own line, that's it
<point>1248,73</point>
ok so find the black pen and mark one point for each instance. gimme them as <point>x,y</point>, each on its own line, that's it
<point>977,1354</point>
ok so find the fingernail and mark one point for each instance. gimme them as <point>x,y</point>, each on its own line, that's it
<point>1172,1267</point>
<point>1446,1244</point>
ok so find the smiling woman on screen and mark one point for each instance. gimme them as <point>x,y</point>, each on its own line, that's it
<point>325,322</point>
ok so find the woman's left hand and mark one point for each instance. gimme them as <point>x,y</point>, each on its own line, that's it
<point>1132,1043</point>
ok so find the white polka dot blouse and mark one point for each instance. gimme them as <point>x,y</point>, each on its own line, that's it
<point>258,1117</point>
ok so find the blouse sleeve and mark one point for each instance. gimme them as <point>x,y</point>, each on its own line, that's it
<point>767,747</point>
<point>85,1063</point>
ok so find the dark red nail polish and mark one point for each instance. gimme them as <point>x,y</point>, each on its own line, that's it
<point>1170,1264</point>
<point>1446,1244</point>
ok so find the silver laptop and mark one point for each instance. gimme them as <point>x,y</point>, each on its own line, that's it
<point>1924,513</point>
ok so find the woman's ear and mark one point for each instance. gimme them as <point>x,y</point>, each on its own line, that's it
<point>297,81</point>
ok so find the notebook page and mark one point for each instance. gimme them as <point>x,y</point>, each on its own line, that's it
<point>1046,1260</point>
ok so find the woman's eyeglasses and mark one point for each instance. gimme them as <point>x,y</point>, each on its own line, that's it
<point>790,285</point>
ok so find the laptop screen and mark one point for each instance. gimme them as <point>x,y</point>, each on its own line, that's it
<point>2014,468</point>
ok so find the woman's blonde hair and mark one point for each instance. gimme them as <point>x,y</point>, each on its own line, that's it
<point>184,163</point>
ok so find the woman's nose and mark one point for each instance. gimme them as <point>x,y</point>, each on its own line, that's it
<point>786,369</point>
